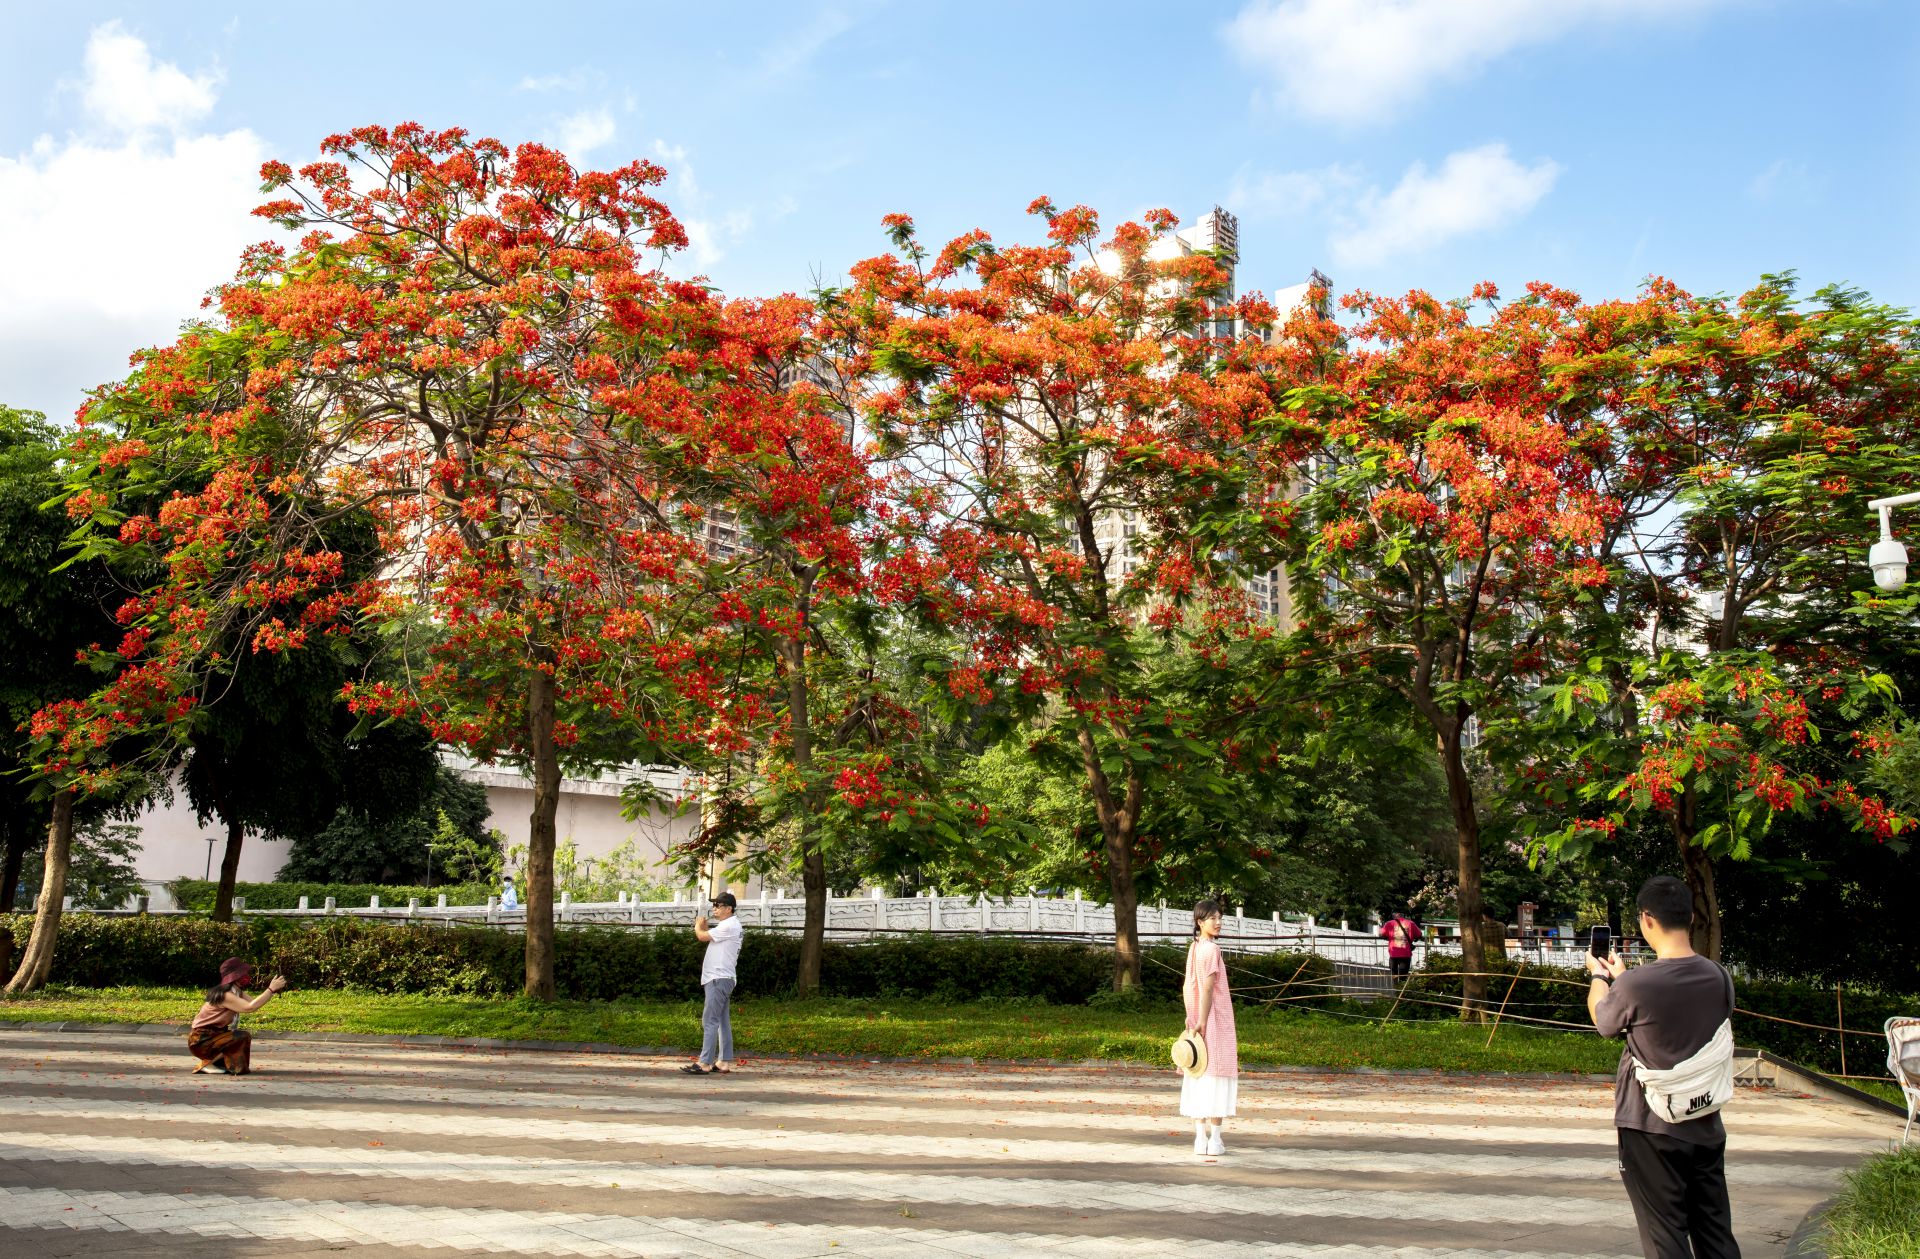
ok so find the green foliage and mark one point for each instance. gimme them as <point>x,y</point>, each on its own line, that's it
<point>596,963</point>
<point>1302,832</point>
<point>48,615</point>
<point>1877,1215</point>
<point>1819,906</point>
<point>100,872</point>
<point>197,894</point>
<point>625,869</point>
<point>358,847</point>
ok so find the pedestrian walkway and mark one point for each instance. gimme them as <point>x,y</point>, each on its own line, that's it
<point>109,1146</point>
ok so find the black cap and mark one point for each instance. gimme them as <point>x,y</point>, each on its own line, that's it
<point>726,898</point>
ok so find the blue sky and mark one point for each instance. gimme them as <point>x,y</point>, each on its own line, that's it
<point>1392,143</point>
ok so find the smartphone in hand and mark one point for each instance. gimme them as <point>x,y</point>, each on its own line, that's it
<point>1602,945</point>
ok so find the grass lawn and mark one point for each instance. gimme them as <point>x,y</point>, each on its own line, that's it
<point>885,1028</point>
<point>1877,1216</point>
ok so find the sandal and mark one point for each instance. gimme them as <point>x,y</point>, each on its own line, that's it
<point>694,1068</point>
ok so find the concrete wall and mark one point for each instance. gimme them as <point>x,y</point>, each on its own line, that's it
<point>174,843</point>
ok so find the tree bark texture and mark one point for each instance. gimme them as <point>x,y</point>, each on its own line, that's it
<point>229,870</point>
<point>813,861</point>
<point>36,964</point>
<point>1706,902</point>
<point>543,755</point>
<point>1471,908</point>
<point>1119,824</point>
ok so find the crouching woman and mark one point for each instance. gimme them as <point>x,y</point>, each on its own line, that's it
<point>215,1037</point>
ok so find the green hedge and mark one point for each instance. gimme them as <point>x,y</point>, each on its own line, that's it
<point>198,894</point>
<point>1543,992</point>
<point>596,963</point>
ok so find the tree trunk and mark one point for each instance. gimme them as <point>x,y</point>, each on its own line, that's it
<point>37,963</point>
<point>1470,908</point>
<point>543,756</point>
<point>1119,820</point>
<point>1706,903</point>
<point>229,870</point>
<point>813,861</point>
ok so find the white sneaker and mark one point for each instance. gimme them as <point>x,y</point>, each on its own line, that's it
<point>1215,1146</point>
<point>1200,1141</point>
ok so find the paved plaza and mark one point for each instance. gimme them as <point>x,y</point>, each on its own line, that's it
<point>109,1146</point>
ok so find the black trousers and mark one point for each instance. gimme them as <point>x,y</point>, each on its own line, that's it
<point>1679,1195</point>
<point>1399,967</point>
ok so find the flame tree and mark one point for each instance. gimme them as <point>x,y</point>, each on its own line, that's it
<point>1096,474</point>
<point>462,344</point>
<point>1455,509</point>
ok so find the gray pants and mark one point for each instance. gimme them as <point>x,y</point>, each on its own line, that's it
<point>716,1022</point>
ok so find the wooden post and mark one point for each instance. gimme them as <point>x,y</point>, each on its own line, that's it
<point>1840,1009</point>
<point>1517,968</point>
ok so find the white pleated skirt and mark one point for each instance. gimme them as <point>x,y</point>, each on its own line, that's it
<point>1208,1096</point>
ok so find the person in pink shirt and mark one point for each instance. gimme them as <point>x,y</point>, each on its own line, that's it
<point>1400,932</point>
<point>1209,1098</point>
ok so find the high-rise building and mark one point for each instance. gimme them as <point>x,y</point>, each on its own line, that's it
<point>1217,230</point>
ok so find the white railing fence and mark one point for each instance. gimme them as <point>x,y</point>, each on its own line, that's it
<point>857,918</point>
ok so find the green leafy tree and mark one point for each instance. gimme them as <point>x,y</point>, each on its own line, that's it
<point>1734,650</point>
<point>358,845</point>
<point>54,610</point>
<point>100,871</point>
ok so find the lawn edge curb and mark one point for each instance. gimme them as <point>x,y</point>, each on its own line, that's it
<point>1805,1242</point>
<point>661,1051</point>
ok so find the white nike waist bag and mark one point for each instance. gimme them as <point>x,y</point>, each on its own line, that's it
<point>1695,1088</point>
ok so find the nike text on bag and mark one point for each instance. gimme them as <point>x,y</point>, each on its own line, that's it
<point>1695,1088</point>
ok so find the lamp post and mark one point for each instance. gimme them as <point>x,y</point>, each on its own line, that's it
<point>1887,557</point>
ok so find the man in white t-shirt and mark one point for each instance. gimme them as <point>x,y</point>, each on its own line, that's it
<point>722,937</point>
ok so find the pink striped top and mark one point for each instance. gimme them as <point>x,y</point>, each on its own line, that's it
<point>1223,1048</point>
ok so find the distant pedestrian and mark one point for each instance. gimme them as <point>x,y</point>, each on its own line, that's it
<point>215,1037</point>
<point>1400,932</point>
<point>717,978</point>
<point>509,899</point>
<point>1676,1072</point>
<point>1209,1098</point>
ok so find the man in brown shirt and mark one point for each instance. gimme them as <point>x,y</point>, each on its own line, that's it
<point>1668,1009</point>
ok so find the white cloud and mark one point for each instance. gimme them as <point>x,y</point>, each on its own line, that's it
<point>1290,194</point>
<point>579,134</point>
<point>794,52</point>
<point>113,234</point>
<point>126,91</point>
<point>577,80</point>
<point>1474,190</point>
<point>1783,180</point>
<point>1365,60</point>
<point>710,233</point>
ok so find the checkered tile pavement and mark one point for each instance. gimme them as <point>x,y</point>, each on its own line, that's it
<point>109,1146</point>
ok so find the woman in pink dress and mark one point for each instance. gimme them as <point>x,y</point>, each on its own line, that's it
<point>1209,1098</point>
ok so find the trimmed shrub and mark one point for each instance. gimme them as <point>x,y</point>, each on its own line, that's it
<point>197,894</point>
<point>605,963</point>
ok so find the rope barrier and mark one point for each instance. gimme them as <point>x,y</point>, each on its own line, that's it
<point>1515,976</point>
